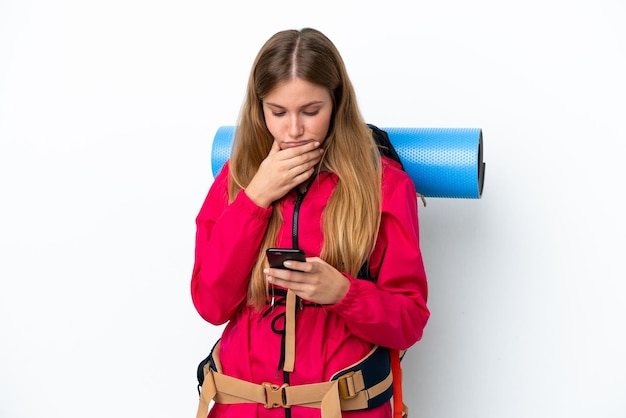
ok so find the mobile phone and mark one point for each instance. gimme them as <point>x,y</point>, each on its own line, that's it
<point>277,256</point>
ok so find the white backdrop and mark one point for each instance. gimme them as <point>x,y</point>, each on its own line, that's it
<point>107,112</point>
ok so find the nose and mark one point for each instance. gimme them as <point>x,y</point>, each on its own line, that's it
<point>296,128</point>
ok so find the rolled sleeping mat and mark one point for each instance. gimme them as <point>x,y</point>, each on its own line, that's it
<point>442,162</point>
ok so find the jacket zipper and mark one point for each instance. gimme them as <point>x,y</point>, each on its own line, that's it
<point>296,212</point>
<point>296,218</point>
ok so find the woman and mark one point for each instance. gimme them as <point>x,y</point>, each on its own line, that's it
<point>305,172</point>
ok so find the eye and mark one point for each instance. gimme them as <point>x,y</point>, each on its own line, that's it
<point>278,114</point>
<point>311,113</point>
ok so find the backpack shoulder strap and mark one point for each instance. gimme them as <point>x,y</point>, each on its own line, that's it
<point>384,144</point>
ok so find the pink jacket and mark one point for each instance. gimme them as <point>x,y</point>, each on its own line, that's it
<point>391,312</point>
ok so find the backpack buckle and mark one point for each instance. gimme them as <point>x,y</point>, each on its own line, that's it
<point>275,396</point>
<point>346,386</point>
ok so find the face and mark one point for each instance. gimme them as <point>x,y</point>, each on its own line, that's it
<point>297,112</point>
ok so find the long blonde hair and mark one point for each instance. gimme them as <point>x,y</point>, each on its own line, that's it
<point>352,216</point>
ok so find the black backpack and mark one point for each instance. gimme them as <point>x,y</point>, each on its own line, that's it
<point>384,144</point>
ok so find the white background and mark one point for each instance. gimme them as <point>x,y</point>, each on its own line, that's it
<point>107,112</point>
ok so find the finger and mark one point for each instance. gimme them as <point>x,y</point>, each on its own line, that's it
<point>282,282</point>
<point>295,152</point>
<point>314,155</point>
<point>305,162</point>
<point>275,148</point>
<point>278,274</point>
<point>298,265</point>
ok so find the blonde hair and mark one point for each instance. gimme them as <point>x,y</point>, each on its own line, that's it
<point>351,218</point>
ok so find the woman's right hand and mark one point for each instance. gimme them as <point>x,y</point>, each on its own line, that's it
<point>281,171</point>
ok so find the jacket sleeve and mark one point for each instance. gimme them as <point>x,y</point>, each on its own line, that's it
<point>228,238</point>
<point>391,312</point>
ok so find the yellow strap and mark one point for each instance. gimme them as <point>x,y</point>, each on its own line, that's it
<point>290,332</point>
<point>230,390</point>
<point>207,394</point>
<point>328,396</point>
<point>331,406</point>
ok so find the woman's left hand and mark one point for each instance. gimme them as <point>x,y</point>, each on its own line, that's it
<point>313,280</point>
